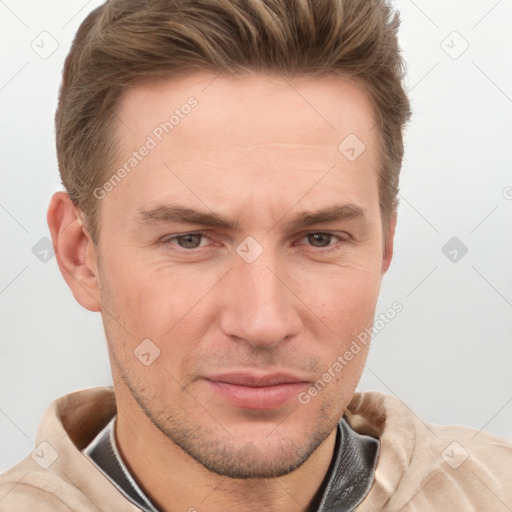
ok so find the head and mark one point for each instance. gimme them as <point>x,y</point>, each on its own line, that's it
<point>231,170</point>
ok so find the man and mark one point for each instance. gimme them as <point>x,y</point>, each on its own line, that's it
<point>231,172</point>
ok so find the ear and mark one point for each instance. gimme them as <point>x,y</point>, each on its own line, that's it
<point>388,247</point>
<point>75,251</point>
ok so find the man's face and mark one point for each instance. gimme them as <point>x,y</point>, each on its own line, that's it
<point>248,248</point>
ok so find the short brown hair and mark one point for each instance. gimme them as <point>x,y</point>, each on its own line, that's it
<point>123,42</point>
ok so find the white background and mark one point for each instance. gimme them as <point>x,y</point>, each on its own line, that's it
<point>448,354</point>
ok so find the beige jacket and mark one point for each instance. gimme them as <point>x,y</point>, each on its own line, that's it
<point>421,467</point>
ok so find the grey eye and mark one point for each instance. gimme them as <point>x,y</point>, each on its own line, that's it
<point>319,239</point>
<point>189,241</point>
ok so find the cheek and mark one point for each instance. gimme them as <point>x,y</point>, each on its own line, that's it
<point>344,297</point>
<point>139,298</point>
<point>158,301</point>
<point>346,305</point>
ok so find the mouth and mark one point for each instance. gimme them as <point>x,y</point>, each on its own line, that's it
<point>256,392</point>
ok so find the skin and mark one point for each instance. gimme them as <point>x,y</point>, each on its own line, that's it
<point>258,150</point>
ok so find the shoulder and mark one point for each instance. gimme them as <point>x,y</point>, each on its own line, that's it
<point>57,476</point>
<point>25,490</point>
<point>427,467</point>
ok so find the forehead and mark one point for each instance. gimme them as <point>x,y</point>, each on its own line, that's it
<point>230,140</point>
<point>253,107</point>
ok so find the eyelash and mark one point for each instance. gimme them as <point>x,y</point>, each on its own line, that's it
<point>169,239</point>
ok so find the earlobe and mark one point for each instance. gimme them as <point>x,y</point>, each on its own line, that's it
<point>74,250</point>
<point>389,243</point>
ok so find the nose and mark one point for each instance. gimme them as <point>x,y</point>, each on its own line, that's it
<point>258,304</point>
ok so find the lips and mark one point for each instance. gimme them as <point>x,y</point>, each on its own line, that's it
<point>256,392</point>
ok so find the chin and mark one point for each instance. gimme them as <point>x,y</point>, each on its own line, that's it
<point>252,462</point>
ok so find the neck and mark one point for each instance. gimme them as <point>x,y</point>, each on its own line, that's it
<point>174,481</point>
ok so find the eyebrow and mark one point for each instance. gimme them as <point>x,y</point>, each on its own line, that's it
<point>332,214</point>
<point>182,215</point>
<point>179,214</point>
